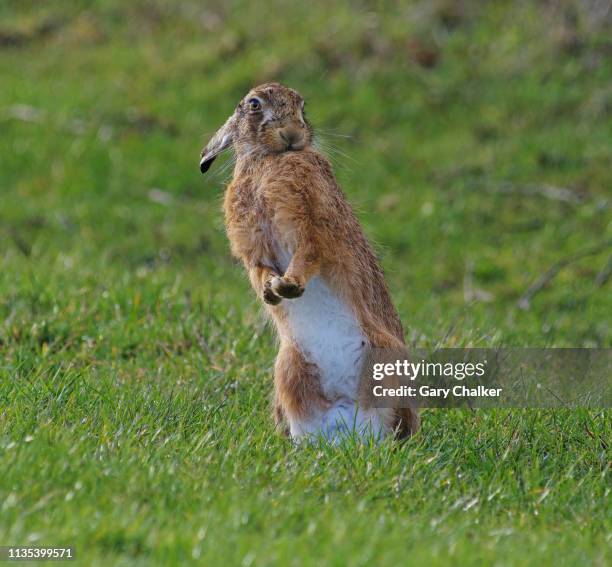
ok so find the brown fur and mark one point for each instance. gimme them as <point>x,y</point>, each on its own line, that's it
<point>292,197</point>
<point>296,382</point>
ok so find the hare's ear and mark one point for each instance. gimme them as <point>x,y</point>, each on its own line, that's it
<point>220,141</point>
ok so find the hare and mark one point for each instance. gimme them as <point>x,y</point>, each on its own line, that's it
<point>307,257</point>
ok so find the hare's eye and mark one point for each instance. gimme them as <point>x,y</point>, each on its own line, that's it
<point>254,104</point>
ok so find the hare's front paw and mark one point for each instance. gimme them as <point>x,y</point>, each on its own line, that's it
<point>287,287</point>
<point>269,296</point>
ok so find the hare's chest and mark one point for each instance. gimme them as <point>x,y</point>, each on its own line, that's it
<point>249,225</point>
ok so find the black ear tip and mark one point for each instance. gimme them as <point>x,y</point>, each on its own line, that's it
<point>205,164</point>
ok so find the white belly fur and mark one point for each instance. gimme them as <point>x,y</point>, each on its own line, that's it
<point>328,334</point>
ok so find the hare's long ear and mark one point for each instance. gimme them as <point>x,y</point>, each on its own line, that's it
<point>220,141</point>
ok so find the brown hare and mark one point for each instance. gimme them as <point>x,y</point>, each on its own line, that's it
<point>307,257</point>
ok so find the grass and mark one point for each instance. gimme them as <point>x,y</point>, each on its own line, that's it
<point>134,363</point>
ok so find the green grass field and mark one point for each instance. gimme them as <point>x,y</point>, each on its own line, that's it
<point>135,364</point>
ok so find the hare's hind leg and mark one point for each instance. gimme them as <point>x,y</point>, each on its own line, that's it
<point>297,389</point>
<point>407,422</point>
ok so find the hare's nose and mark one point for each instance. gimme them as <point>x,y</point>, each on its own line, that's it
<point>290,135</point>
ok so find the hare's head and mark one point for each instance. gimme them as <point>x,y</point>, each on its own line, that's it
<point>269,119</point>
